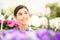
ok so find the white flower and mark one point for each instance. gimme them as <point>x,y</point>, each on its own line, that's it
<point>2,17</point>
<point>8,36</point>
<point>32,36</point>
<point>0,12</point>
<point>35,21</point>
<point>9,9</point>
<point>44,21</point>
<point>10,17</point>
<point>45,12</point>
<point>58,19</point>
<point>53,23</point>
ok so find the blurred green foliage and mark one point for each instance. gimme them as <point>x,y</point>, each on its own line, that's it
<point>2,13</point>
<point>55,10</point>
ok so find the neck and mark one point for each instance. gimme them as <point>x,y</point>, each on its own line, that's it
<point>23,27</point>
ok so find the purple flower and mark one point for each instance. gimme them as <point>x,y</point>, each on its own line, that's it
<point>52,35</point>
<point>0,38</point>
<point>15,34</point>
<point>57,35</point>
<point>42,34</point>
<point>45,34</point>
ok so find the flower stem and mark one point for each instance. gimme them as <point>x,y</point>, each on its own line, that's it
<point>2,26</point>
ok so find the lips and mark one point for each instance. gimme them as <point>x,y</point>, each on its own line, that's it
<point>24,19</point>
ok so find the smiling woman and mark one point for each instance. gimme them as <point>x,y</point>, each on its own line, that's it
<point>21,14</point>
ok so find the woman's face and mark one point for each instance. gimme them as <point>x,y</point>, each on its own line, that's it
<point>22,16</point>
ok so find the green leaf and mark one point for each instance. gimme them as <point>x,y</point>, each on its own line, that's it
<point>2,13</point>
<point>6,17</point>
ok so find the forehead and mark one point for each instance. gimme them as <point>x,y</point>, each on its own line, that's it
<point>22,10</point>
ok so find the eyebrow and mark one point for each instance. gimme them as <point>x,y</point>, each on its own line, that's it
<point>26,12</point>
<point>20,13</point>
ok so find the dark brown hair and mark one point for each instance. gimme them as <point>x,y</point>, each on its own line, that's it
<point>18,8</point>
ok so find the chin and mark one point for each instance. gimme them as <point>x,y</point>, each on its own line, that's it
<point>24,23</point>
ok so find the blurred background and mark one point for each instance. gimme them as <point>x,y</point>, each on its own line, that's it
<point>44,13</point>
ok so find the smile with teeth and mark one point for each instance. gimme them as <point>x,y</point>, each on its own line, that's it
<point>24,19</point>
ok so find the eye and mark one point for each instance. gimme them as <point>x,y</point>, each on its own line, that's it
<point>26,12</point>
<point>20,13</point>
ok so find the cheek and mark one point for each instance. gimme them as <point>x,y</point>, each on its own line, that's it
<point>28,16</point>
<point>18,18</point>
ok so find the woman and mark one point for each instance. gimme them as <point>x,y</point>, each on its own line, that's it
<point>21,14</point>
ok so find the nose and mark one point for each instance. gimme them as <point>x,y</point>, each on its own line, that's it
<point>23,15</point>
